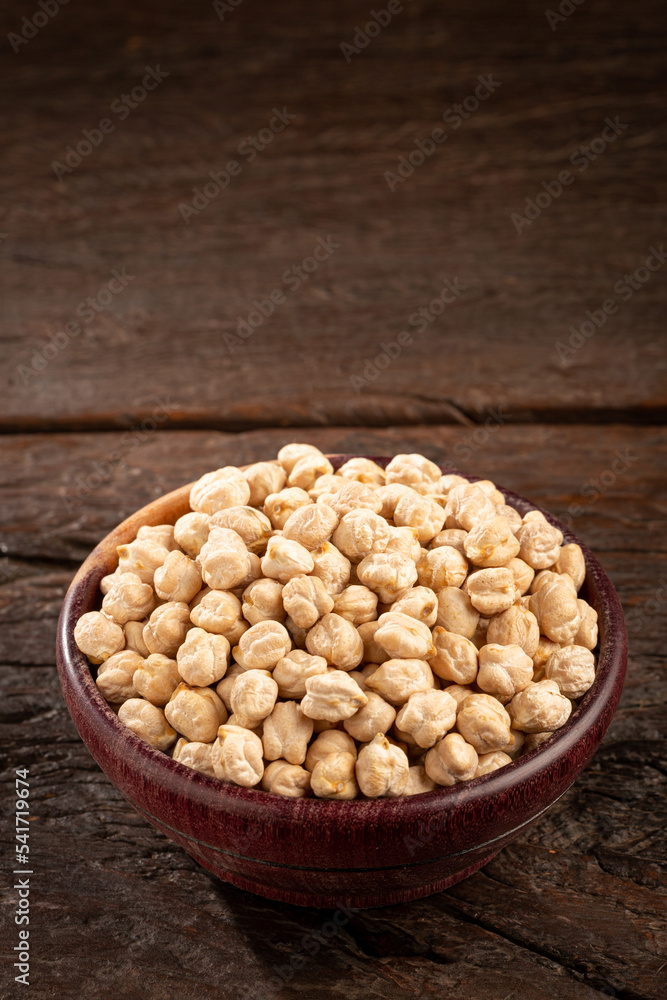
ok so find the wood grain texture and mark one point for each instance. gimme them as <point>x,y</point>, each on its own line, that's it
<point>324,176</point>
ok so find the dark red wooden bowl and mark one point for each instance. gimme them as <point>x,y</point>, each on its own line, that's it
<point>319,853</point>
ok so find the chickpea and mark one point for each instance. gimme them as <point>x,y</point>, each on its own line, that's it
<point>382,769</point>
<point>306,600</point>
<point>504,670</point>
<point>376,716</point>
<point>253,527</point>
<point>128,599</point>
<point>364,471</point>
<point>535,740</point>
<point>491,543</point>
<point>253,697</point>
<point>484,723</point>
<point>167,627</point>
<point>458,692</point>
<point>142,557</point>
<point>421,513</point>
<point>418,781</point>
<point>263,645</point>
<point>203,658</point>
<point>404,637</point>
<point>456,658</point>
<point>545,648</point>
<point>311,525</point>
<point>489,762</point>
<point>491,491</point>
<point>512,516</point>
<point>467,506</point>
<point>225,487</point>
<point>516,626</point>
<point>98,637</point>
<point>223,559</point>
<point>325,485</point>
<point>334,777</point>
<point>337,640</point>
<point>373,653</point>
<point>216,611</point>
<point>492,591</point>
<point>404,541</point>
<point>331,567</point>
<point>196,712</point>
<point>115,676</point>
<point>396,680</point>
<point>285,559</point>
<point>540,541</point>
<point>453,537</point>
<point>351,496</point>
<point>587,633</point>
<point>157,678</point>
<point>447,483</point>
<point>178,578</point>
<point>419,603</point>
<point>571,561</point>
<point>286,779</point>
<point>540,708</point>
<point>451,760</point>
<point>333,696</point>
<point>237,756</point>
<point>134,637</point>
<point>356,604</point>
<point>308,469</point>
<point>223,688</point>
<point>548,576</point>
<point>291,453</point>
<point>455,612</point>
<point>286,733</point>
<point>163,534</point>
<point>413,470</point>
<point>264,478</point>
<point>329,742</point>
<point>195,755</point>
<point>557,612</point>
<point>279,506</point>
<point>291,672</point>
<point>297,635</point>
<point>191,531</point>
<point>361,531</point>
<point>147,722</point>
<point>573,669</point>
<point>263,601</point>
<point>427,716</point>
<point>523,574</point>
<point>389,497</point>
<point>442,567</point>
<point>387,574</point>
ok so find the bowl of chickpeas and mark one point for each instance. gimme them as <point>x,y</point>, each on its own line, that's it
<point>341,680</point>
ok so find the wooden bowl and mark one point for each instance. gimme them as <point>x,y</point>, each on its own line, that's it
<point>320,853</point>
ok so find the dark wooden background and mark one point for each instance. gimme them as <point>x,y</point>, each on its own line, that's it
<point>150,395</point>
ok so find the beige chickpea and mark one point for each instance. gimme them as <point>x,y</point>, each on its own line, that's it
<point>191,531</point>
<point>545,648</point>
<point>540,708</point>
<point>253,527</point>
<point>419,603</point>
<point>422,513</point>
<point>455,612</point>
<point>548,576</point>
<point>223,559</point>
<point>148,722</point>
<point>308,469</point>
<point>331,567</point>
<point>455,659</point>
<point>491,543</point>
<point>337,640</point>
<point>480,637</point>
<point>361,531</point>
<point>325,485</point>
<point>489,762</point>
<point>178,578</point>
<point>516,626</point>
<point>157,678</point>
<point>162,533</point>
<point>334,777</point>
<point>523,574</point>
<point>263,645</point>
<point>289,780</point>
<point>504,670</point>
<point>279,506</point>
<point>333,696</point>
<point>142,557</point>
<point>237,756</point>
<point>467,506</point>
<point>587,633</point>
<point>286,733</point>
<point>262,601</point>
<point>571,561</point>
<point>253,697</point>
<point>291,453</point>
<point>427,716</point>
<point>490,490</point>
<point>254,572</point>
<point>311,525</point>
<point>285,558</point>
<point>442,567</point>
<point>223,688</point>
<point>264,478</point>
<point>387,574</point>
<point>396,680</point>
<point>484,723</point>
<point>573,669</point>
<point>196,712</point>
<point>540,541</point>
<point>389,497</point>
<point>535,740</point>
<point>403,637</point>
<point>413,470</point>
<point>216,611</point>
<point>194,755</point>
<point>291,672</point>
<point>376,716</point>
<point>115,676</point>
<point>107,582</point>
<point>297,635</point>
<point>515,746</point>
<point>556,609</point>
<point>418,781</point>
<point>203,658</point>
<point>447,483</point>
<point>356,604</point>
<point>382,769</point>
<point>331,741</point>
<point>351,496</point>
<point>222,488</point>
<point>492,591</point>
<point>404,541</point>
<point>511,515</point>
<point>451,760</point>
<point>98,637</point>
<point>364,471</point>
<point>167,627</point>
<point>459,692</point>
<point>453,537</point>
<point>128,598</point>
<point>134,638</point>
<point>306,600</point>
<point>373,653</point>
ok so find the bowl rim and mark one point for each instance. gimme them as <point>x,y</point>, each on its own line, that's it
<point>594,710</point>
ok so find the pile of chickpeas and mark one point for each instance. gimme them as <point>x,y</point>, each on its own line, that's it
<point>361,633</point>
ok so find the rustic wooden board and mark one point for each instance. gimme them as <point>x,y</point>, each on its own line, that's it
<point>166,333</point>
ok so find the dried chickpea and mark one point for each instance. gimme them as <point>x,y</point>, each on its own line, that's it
<point>571,561</point>
<point>573,669</point>
<point>540,541</point>
<point>404,637</point>
<point>491,543</point>
<point>484,723</point>
<point>216,611</point>
<point>178,578</point>
<point>167,627</point>
<point>516,626</point>
<point>418,781</point>
<point>264,478</point>
<point>115,676</point>
<point>279,506</point>
<point>404,541</point>
<point>382,769</point>
<point>134,638</point>
<point>556,609</point>
<point>504,670</point>
<point>545,648</point>
<point>351,496</point>
<point>489,762</point>
<point>455,659</point>
<point>515,745</point>
<point>427,716</point>
<point>285,558</point>
<point>451,760</point>
<point>442,567</point>
<point>191,531</point>
<point>491,491</point>
<point>297,635</point>
<point>142,557</point>
<point>511,515</point>
<point>421,513</point>
<point>263,645</point>
<point>286,779</point>
<point>195,755</point>
<point>540,708</point>
<point>203,658</point>
<point>263,601</point>
<point>333,696</point>
<point>311,525</point>
<point>447,483</point>
<point>419,603</point>
<point>548,576</point>
<point>458,692</point>
<point>286,733</point>
<point>196,712</point>
<point>523,574</point>
<point>467,506</point>
<point>389,497</point>
<point>226,487</point>
<point>334,777</point>
<point>223,559</point>
<point>413,470</point>
<point>373,654</point>
<point>128,598</point>
<point>387,574</point>
<point>253,697</point>
<point>534,740</point>
<point>454,537</point>
<point>331,567</point>
<point>360,532</point>
<point>291,453</point>
<point>98,637</point>
<point>376,716</point>
<point>331,741</point>
<point>237,756</point>
<point>107,582</point>
<point>492,591</point>
<point>306,600</point>
<point>223,688</point>
<point>337,640</point>
<point>364,471</point>
<point>147,722</point>
<point>253,527</point>
<point>291,672</point>
<point>325,485</point>
<point>456,613</point>
<point>396,680</point>
<point>356,604</point>
<point>157,678</point>
<point>587,633</point>
<point>308,469</point>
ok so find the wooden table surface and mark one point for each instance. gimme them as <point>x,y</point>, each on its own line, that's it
<point>339,291</point>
